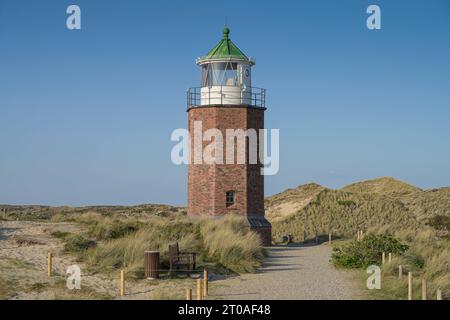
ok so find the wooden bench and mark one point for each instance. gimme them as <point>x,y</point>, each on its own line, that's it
<point>177,259</point>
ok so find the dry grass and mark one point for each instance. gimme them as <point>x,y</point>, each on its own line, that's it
<point>226,243</point>
<point>71,214</point>
<point>427,258</point>
<point>343,214</point>
<point>7,288</point>
<point>229,243</point>
<point>385,186</point>
<point>379,206</point>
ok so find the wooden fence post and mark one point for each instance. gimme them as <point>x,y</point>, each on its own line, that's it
<point>205,283</point>
<point>400,272</point>
<point>329,238</point>
<point>199,289</point>
<point>438,294</point>
<point>390,257</point>
<point>362,235</point>
<point>188,294</point>
<point>410,286</point>
<point>357,236</point>
<point>383,258</point>
<point>122,283</point>
<point>424,289</point>
<point>49,264</point>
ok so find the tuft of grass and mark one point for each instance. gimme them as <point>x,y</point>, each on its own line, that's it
<point>77,244</point>
<point>7,288</point>
<point>103,227</point>
<point>167,295</point>
<point>39,286</point>
<point>60,234</point>
<point>14,263</point>
<point>228,242</point>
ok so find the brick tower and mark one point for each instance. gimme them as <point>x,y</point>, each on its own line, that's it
<point>226,100</point>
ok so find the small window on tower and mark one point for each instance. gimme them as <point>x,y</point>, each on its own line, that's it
<point>230,198</point>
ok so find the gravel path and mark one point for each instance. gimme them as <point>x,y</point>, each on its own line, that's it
<point>295,273</point>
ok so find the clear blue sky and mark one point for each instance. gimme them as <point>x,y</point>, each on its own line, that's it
<point>86,116</point>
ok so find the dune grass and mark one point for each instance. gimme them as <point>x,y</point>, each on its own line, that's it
<point>343,214</point>
<point>229,243</point>
<point>427,256</point>
<point>226,244</point>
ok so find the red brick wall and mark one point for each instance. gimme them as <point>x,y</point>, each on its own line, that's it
<point>208,184</point>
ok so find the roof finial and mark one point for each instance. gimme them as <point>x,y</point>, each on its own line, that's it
<point>226,32</point>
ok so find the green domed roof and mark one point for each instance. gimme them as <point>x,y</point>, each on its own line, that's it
<point>225,49</point>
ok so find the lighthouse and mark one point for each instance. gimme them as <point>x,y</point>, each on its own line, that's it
<point>227,102</point>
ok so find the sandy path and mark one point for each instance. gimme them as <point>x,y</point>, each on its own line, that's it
<point>299,273</point>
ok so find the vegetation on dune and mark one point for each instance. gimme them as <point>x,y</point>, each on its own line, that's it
<point>231,247</point>
<point>77,244</point>
<point>7,288</point>
<point>286,203</point>
<point>419,251</point>
<point>393,214</point>
<point>128,252</point>
<point>428,204</point>
<point>229,243</point>
<point>343,214</point>
<point>441,223</point>
<point>396,217</point>
<point>428,257</point>
<point>385,185</point>
<point>105,228</point>
<point>71,214</point>
<point>378,202</point>
<point>361,254</point>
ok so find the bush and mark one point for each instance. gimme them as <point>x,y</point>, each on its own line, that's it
<point>77,244</point>
<point>440,223</point>
<point>60,234</point>
<point>102,227</point>
<point>112,229</point>
<point>361,254</point>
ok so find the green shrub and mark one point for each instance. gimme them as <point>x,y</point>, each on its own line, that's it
<point>361,254</point>
<point>60,234</point>
<point>346,203</point>
<point>77,244</point>
<point>112,229</point>
<point>440,222</point>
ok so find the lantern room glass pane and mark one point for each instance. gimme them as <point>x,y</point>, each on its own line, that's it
<point>220,74</point>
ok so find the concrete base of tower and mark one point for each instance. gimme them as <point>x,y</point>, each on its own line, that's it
<point>261,226</point>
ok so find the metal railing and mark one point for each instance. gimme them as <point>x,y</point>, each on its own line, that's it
<point>226,95</point>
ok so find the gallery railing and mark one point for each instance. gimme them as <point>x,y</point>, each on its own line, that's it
<point>226,95</point>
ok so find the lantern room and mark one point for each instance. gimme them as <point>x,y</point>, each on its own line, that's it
<point>226,78</point>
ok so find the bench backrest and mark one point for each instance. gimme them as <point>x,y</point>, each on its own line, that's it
<point>174,250</point>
